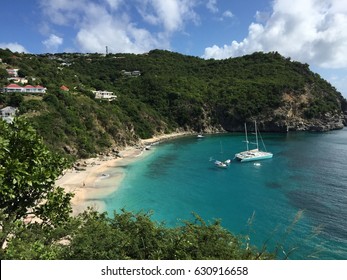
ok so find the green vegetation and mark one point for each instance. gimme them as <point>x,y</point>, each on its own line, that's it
<point>172,92</point>
<point>126,236</point>
<point>28,171</point>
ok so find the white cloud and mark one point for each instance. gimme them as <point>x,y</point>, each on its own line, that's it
<point>171,14</point>
<point>113,23</point>
<point>212,6</point>
<point>228,14</point>
<point>101,28</point>
<point>114,4</point>
<point>14,47</point>
<point>62,12</point>
<point>312,31</point>
<point>53,42</point>
<point>118,36</point>
<point>261,16</point>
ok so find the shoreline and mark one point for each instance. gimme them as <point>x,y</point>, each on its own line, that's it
<point>101,176</point>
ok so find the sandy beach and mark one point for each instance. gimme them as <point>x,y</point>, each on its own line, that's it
<point>96,178</point>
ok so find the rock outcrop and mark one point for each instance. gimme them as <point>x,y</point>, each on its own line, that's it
<point>291,116</point>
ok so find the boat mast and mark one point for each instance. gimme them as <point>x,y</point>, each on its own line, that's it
<point>256,134</point>
<point>246,137</point>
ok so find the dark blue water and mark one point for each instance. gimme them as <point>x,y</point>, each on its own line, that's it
<point>298,199</point>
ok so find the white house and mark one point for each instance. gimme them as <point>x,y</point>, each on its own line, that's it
<point>103,94</point>
<point>8,113</point>
<point>135,73</point>
<point>12,72</point>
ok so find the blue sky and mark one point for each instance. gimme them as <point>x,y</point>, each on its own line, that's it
<point>309,31</point>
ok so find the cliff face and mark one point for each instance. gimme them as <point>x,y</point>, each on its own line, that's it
<point>292,115</point>
<point>296,112</point>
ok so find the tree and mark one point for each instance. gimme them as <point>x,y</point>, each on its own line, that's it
<point>3,74</point>
<point>135,236</point>
<point>28,171</point>
<point>15,99</point>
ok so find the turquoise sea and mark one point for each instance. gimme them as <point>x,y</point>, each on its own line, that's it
<point>306,178</point>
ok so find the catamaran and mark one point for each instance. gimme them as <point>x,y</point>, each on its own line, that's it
<point>254,154</point>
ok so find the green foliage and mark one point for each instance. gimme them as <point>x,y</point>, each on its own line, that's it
<point>95,236</point>
<point>37,241</point>
<point>3,74</point>
<point>135,236</point>
<point>15,99</point>
<point>28,171</point>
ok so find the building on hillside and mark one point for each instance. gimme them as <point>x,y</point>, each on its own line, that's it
<point>12,72</point>
<point>40,89</point>
<point>29,89</point>
<point>18,80</point>
<point>103,94</point>
<point>8,113</point>
<point>135,73</point>
<point>12,88</point>
<point>26,89</point>
<point>64,88</point>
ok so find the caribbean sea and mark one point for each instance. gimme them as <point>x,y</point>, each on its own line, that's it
<point>295,202</point>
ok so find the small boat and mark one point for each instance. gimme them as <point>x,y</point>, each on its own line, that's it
<point>200,136</point>
<point>220,164</point>
<point>255,154</point>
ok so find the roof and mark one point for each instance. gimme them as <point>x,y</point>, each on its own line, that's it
<point>8,109</point>
<point>27,87</point>
<point>64,88</point>
<point>13,86</point>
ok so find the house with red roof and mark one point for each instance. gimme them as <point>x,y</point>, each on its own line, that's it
<point>40,89</point>
<point>26,89</point>
<point>12,88</point>
<point>64,88</point>
<point>29,88</point>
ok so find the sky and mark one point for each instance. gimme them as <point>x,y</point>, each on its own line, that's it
<point>309,31</point>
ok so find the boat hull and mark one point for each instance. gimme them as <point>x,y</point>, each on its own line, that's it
<point>246,156</point>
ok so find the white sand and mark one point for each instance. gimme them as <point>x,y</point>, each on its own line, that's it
<point>92,184</point>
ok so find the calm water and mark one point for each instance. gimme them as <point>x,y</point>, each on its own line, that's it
<point>307,172</point>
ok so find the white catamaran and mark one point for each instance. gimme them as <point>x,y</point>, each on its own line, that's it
<point>254,154</point>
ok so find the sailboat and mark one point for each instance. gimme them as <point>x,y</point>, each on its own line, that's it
<point>222,164</point>
<point>254,154</point>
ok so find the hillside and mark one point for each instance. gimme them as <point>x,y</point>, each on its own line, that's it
<point>162,91</point>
